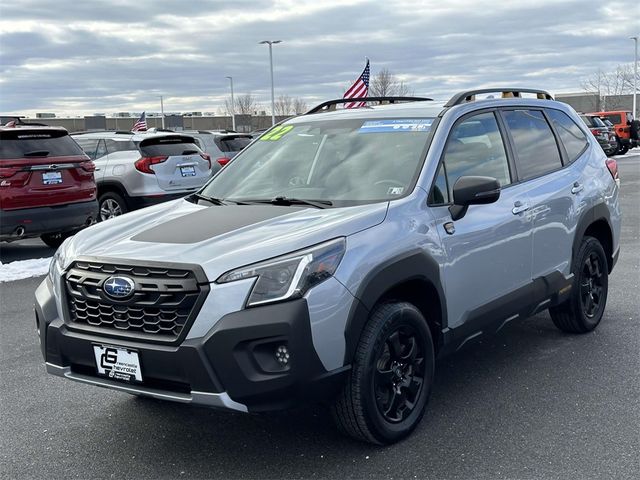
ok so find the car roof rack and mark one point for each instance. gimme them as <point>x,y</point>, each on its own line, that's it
<point>116,132</point>
<point>515,92</point>
<point>327,106</point>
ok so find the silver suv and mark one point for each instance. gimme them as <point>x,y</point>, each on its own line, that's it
<point>338,255</point>
<point>221,145</point>
<point>135,170</point>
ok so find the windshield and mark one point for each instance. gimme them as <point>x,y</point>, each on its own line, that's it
<point>345,162</point>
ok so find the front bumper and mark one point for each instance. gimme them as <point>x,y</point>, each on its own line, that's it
<point>232,367</point>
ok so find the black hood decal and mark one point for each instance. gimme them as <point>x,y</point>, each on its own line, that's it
<point>210,222</point>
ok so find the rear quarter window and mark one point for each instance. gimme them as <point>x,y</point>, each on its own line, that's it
<point>573,138</point>
<point>614,118</point>
<point>21,144</point>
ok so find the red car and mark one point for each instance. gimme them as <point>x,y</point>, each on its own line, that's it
<point>47,187</point>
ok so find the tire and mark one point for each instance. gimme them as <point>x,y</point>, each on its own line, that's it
<point>54,240</point>
<point>111,205</point>
<point>583,310</point>
<point>369,408</point>
<point>621,150</point>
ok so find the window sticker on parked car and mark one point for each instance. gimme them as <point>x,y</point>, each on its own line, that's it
<point>276,133</point>
<point>397,125</point>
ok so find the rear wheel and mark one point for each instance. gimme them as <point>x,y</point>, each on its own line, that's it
<point>386,395</point>
<point>622,149</point>
<point>54,240</point>
<point>584,308</point>
<point>111,205</point>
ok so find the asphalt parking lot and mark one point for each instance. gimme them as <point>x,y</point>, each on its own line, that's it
<point>530,403</point>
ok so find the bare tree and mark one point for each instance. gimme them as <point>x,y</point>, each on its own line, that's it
<point>299,106</point>
<point>246,104</point>
<point>283,105</point>
<point>609,86</point>
<point>386,84</point>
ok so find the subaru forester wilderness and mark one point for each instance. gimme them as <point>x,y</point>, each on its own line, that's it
<point>338,255</point>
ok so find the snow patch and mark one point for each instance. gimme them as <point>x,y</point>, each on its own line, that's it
<point>24,269</point>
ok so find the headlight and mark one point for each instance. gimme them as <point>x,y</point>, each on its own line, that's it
<point>58,261</point>
<point>289,276</point>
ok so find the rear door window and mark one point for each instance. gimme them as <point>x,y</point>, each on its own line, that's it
<point>101,151</point>
<point>474,147</point>
<point>572,137</point>
<point>21,144</point>
<point>535,146</point>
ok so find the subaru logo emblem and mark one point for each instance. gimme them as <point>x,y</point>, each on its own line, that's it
<point>119,287</point>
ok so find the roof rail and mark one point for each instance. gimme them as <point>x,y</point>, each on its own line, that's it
<point>326,106</point>
<point>469,95</point>
<point>99,130</point>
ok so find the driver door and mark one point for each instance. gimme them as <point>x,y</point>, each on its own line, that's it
<point>488,250</point>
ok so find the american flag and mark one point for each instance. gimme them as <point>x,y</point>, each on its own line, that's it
<point>141,124</point>
<point>360,89</point>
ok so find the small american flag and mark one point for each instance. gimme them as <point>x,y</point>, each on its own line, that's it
<point>360,89</point>
<point>141,124</point>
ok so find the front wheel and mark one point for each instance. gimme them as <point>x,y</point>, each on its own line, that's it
<point>386,394</point>
<point>584,308</point>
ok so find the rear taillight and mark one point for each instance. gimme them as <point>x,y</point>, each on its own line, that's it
<point>207,157</point>
<point>144,164</point>
<point>223,160</point>
<point>595,132</point>
<point>8,172</point>
<point>612,166</point>
<point>88,166</point>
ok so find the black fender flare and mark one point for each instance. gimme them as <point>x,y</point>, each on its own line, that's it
<point>412,265</point>
<point>589,217</point>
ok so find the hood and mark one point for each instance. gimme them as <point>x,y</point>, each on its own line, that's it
<point>219,238</point>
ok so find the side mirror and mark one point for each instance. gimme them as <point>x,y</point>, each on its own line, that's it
<point>473,191</point>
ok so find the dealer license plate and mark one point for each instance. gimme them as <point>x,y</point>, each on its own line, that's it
<point>117,363</point>
<point>188,171</point>
<point>52,178</point>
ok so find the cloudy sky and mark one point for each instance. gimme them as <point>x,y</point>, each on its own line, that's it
<point>87,56</point>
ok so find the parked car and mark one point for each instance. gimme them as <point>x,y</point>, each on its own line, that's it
<point>622,121</point>
<point>135,170</point>
<point>338,255</point>
<point>603,133</point>
<point>221,145</point>
<point>47,188</point>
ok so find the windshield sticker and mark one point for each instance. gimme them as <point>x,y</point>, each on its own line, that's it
<point>395,191</point>
<point>276,133</point>
<point>397,125</point>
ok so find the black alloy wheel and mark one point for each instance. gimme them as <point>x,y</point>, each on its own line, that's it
<point>399,375</point>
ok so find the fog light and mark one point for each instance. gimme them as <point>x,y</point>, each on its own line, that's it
<point>282,355</point>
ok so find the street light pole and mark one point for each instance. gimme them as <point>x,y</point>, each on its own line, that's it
<point>273,102</point>
<point>233,106</point>
<point>162,111</point>
<point>635,79</point>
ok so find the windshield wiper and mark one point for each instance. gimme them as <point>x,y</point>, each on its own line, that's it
<point>36,153</point>
<point>213,200</point>
<point>286,201</point>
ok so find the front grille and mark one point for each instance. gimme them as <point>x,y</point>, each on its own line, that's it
<point>163,303</point>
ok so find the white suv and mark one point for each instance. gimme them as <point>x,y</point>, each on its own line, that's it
<point>135,170</point>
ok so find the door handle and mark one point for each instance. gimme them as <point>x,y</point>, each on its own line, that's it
<point>519,207</point>
<point>577,188</point>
